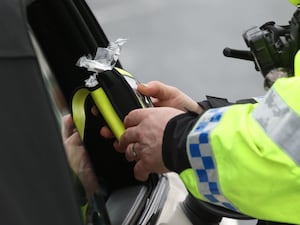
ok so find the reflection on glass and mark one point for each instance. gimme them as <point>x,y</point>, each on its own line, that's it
<point>85,181</point>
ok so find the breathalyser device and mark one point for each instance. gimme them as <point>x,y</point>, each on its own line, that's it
<point>112,90</point>
<point>114,93</point>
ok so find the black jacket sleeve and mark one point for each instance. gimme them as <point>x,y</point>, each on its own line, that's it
<point>176,132</point>
<point>174,141</point>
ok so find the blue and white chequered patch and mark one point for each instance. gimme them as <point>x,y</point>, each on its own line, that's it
<point>202,160</point>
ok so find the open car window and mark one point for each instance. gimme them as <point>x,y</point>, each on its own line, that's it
<point>61,32</point>
<point>60,108</point>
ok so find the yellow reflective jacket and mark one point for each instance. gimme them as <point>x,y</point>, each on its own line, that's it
<point>295,2</point>
<point>246,157</point>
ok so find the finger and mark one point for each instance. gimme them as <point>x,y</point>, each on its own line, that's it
<point>141,173</point>
<point>155,89</point>
<point>135,116</point>
<point>128,137</point>
<point>117,146</point>
<point>68,126</point>
<point>131,153</point>
<point>74,139</point>
<point>106,132</point>
<point>148,89</point>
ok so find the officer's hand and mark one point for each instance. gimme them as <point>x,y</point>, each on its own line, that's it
<point>163,95</point>
<point>142,139</point>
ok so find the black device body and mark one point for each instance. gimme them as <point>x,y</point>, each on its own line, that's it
<point>271,46</point>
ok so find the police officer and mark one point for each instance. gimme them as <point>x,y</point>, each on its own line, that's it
<point>244,157</point>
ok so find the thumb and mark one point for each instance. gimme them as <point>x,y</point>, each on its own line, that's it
<point>154,89</point>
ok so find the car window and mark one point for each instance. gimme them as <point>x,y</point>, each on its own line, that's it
<point>93,212</point>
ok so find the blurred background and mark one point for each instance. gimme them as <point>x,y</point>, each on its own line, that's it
<point>181,42</point>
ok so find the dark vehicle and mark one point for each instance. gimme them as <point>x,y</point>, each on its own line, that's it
<point>40,43</point>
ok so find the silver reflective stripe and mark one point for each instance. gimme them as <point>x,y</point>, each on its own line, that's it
<point>281,123</point>
<point>202,160</point>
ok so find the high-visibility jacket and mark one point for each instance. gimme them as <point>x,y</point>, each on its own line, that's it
<point>244,157</point>
<point>295,2</point>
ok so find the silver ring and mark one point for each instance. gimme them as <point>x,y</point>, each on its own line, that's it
<point>134,153</point>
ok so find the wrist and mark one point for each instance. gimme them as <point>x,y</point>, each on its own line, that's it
<point>174,141</point>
